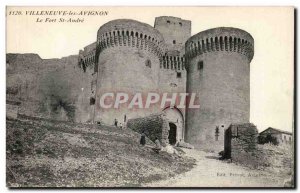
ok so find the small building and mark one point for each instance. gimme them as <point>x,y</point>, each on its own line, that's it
<point>283,137</point>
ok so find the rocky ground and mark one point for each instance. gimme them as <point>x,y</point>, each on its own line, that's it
<point>212,172</point>
<point>60,154</point>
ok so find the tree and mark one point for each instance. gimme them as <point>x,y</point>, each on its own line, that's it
<point>267,139</point>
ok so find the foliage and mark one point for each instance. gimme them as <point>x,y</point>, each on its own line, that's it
<point>274,158</point>
<point>267,139</point>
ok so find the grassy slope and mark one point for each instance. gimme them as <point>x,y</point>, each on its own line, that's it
<point>59,154</point>
<point>277,160</point>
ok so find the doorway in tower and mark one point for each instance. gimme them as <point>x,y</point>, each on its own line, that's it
<point>172,133</point>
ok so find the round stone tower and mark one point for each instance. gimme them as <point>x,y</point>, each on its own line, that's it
<point>128,54</point>
<point>218,71</point>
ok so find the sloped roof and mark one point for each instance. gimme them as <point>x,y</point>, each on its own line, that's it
<point>277,130</point>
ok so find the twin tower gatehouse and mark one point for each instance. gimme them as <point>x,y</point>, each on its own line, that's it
<point>131,57</point>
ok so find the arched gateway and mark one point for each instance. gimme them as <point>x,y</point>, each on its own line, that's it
<point>176,124</point>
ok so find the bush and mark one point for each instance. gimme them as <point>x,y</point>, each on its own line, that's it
<point>20,137</point>
<point>253,160</point>
<point>268,139</point>
<point>19,141</point>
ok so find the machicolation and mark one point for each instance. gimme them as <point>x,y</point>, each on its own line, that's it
<point>131,56</point>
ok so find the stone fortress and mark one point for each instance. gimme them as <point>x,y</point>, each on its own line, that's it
<point>133,57</point>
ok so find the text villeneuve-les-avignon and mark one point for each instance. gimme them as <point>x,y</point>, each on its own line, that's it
<point>60,13</point>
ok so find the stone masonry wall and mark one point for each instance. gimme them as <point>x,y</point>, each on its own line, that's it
<point>47,88</point>
<point>218,70</point>
<point>153,126</point>
<point>12,110</point>
<point>165,131</point>
<point>174,30</point>
<point>240,140</point>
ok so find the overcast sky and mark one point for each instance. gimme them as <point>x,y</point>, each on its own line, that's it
<point>272,72</point>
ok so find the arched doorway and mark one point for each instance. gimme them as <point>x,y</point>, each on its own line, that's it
<point>175,119</point>
<point>172,133</point>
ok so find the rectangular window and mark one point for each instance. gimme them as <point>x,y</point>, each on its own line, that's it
<point>200,65</point>
<point>92,101</point>
<point>178,74</point>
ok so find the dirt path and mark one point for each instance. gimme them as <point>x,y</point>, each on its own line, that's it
<point>211,172</point>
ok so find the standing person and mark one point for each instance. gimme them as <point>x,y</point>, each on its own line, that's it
<point>157,147</point>
<point>125,119</point>
<point>116,122</point>
<point>157,144</point>
<point>143,139</point>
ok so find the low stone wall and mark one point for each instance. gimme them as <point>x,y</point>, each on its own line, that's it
<point>12,110</point>
<point>240,139</point>
<point>153,126</point>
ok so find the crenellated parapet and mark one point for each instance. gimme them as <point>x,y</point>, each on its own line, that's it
<point>222,39</point>
<point>173,61</point>
<point>87,56</point>
<point>130,33</point>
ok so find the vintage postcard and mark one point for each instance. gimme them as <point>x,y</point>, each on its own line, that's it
<point>150,97</point>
